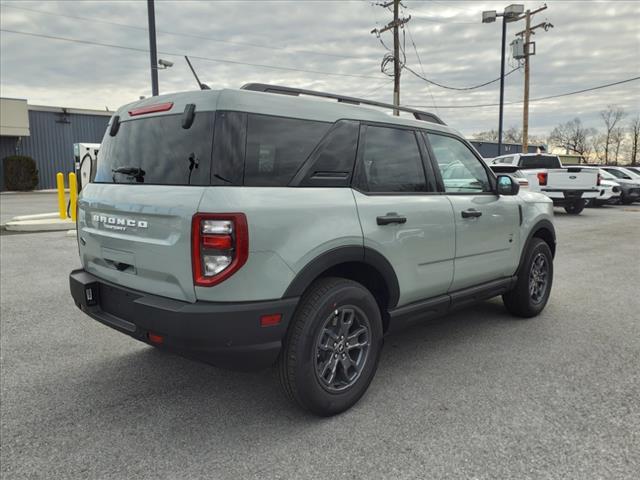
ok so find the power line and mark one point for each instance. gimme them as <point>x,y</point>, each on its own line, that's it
<point>174,54</point>
<point>421,67</point>
<point>459,88</point>
<point>180,34</point>
<point>566,94</point>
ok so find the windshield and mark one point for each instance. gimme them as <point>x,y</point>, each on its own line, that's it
<point>540,161</point>
<point>158,151</point>
<point>619,174</point>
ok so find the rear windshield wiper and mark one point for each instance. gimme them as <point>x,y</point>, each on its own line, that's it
<point>134,172</point>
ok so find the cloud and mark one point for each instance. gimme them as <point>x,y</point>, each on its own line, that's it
<point>592,43</point>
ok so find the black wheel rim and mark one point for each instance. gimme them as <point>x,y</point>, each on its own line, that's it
<point>538,278</point>
<point>342,348</point>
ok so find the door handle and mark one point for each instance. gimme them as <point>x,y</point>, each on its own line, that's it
<point>391,217</point>
<point>471,213</point>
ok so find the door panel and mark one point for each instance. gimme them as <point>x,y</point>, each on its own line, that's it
<point>400,218</point>
<point>486,246</point>
<point>421,250</point>
<point>486,224</point>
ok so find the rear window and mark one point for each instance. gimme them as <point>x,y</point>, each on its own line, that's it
<point>540,161</point>
<point>158,151</point>
<point>277,147</point>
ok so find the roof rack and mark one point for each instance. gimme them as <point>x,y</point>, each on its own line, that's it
<point>263,87</point>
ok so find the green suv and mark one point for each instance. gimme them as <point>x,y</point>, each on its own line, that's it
<point>255,227</point>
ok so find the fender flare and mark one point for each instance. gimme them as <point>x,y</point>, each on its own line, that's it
<point>540,225</point>
<point>345,254</point>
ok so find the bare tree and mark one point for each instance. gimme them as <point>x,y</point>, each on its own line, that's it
<point>617,139</point>
<point>513,135</point>
<point>573,137</point>
<point>611,117</point>
<point>634,130</point>
<point>487,136</point>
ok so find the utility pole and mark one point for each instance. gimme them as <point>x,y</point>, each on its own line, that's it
<point>525,110</point>
<point>396,24</point>
<point>396,58</point>
<point>528,49</point>
<point>152,47</point>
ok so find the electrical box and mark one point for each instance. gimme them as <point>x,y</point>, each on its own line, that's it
<point>517,48</point>
<point>86,161</point>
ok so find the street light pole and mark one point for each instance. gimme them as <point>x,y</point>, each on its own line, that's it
<point>510,14</point>
<point>152,47</point>
<point>504,35</point>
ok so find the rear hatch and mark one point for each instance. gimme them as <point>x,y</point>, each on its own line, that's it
<point>573,178</point>
<point>134,222</point>
<point>558,178</point>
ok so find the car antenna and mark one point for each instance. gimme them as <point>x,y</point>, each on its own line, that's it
<point>203,86</point>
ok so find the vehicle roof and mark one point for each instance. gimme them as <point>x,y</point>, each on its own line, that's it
<point>541,154</point>
<point>277,105</point>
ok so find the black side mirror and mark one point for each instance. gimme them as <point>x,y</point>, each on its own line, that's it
<point>507,185</point>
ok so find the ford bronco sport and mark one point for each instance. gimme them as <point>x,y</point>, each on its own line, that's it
<point>254,227</point>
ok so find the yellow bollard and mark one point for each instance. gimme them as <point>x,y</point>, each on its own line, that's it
<point>73,195</point>
<point>62,208</point>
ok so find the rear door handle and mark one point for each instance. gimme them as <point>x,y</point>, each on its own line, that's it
<point>391,217</point>
<point>471,213</point>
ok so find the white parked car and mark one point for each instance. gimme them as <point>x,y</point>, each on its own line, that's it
<point>629,183</point>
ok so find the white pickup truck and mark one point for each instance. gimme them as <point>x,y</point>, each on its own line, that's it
<point>569,187</point>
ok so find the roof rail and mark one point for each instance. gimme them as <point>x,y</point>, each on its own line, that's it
<point>263,87</point>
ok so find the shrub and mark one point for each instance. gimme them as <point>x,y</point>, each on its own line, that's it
<point>20,173</point>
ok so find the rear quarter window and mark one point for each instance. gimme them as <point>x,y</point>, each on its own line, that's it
<point>277,147</point>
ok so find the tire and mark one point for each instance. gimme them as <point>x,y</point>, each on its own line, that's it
<point>521,301</point>
<point>624,200</point>
<point>310,373</point>
<point>574,208</point>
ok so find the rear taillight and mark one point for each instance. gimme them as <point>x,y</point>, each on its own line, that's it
<point>542,178</point>
<point>599,180</point>
<point>219,246</point>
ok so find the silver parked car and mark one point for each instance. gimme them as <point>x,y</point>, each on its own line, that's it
<point>248,228</point>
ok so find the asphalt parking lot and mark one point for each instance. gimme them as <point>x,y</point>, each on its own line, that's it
<point>26,203</point>
<point>477,394</point>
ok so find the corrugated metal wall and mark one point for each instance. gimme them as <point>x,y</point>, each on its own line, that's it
<point>51,141</point>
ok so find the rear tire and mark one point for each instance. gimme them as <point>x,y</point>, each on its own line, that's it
<point>535,278</point>
<point>574,208</point>
<point>332,348</point>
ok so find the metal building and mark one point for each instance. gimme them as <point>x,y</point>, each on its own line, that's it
<point>47,134</point>
<point>490,149</point>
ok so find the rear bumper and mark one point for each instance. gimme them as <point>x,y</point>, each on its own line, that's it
<point>223,334</point>
<point>561,197</point>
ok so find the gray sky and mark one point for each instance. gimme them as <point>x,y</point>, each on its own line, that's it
<point>593,43</point>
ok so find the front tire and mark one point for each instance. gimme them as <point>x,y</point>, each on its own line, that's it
<point>532,290</point>
<point>332,348</point>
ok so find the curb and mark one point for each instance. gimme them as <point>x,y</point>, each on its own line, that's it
<point>40,225</point>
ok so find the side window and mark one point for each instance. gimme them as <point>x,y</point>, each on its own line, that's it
<point>331,163</point>
<point>460,168</point>
<point>391,161</point>
<point>229,140</point>
<point>277,147</point>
